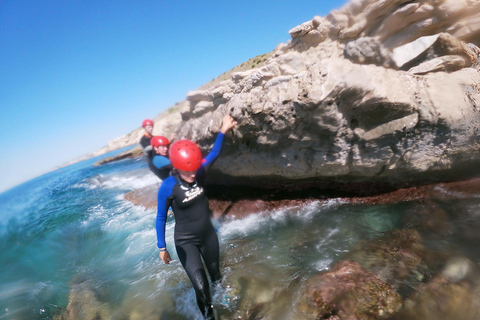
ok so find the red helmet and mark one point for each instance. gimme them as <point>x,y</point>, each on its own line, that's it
<point>147,122</point>
<point>185,155</point>
<point>159,141</point>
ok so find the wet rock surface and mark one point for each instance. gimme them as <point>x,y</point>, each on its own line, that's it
<point>348,291</point>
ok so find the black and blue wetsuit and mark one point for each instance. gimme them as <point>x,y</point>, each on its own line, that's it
<point>161,166</point>
<point>148,151</point>
<point>146,146</point>
<point>158,164</point>
<point>195,236</point>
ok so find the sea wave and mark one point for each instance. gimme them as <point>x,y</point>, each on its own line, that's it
<point>128,181</point>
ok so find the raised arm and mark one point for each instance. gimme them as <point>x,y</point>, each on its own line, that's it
<point>227,124</point>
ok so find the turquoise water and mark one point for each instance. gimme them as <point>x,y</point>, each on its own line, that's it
<point>69,238</point>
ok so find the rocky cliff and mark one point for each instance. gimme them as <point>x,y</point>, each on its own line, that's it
<point>376,94</point>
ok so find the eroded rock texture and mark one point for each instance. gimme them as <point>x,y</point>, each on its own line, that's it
<point>358,96</point>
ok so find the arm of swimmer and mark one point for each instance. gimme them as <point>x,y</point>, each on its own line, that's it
<point>163,203</point>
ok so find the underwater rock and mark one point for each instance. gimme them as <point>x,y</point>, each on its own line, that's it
<point>393,257</point>
<point>85,303</point>
<point>348,291</point>
<point>441,299</point>
<point>426,215</point>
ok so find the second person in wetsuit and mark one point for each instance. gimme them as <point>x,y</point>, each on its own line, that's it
<point>159,163</point>
<point>195,237</point>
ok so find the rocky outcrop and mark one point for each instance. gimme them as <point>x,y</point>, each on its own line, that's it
<point>375,93</point>
<point>336,106</point>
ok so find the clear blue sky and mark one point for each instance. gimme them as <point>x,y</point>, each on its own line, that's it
<point>76,74</point>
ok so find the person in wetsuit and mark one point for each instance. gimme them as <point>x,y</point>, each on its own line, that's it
<point>145,140</point>
<point>195,237</point>
<point>145,143</point>
<point>161,165</point>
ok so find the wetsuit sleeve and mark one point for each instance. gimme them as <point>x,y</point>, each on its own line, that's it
<point>145,144</point>
<point>164,194</point>
<point>147,149</point>
<point>212,156</point>
<point>160,162</point>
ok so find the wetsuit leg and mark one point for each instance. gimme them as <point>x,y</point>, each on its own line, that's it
<point>189,255</point>
<point>211,255</point>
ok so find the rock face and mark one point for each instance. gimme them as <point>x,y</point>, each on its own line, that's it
<point>375,96</point>
<point>342,103</point>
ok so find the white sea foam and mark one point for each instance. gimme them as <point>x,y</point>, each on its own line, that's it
<point>242,227</point>
<point>455,194</point>
<point>323,264</point>
<point>187,305</point>
<point>128,181</point>
<point>256,222</point>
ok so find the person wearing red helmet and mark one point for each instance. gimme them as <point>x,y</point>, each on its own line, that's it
<point>195,237</point>
<point>145,140</point>
<point>160,164</point>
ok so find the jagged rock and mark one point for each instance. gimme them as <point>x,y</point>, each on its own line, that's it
<point>397,22</point>
<point>373,123</point>
<point>144,197</point>
<point>409,51</point>
<point>312,32</point>
<point>348,291</point>
<point>367,50</point>
<point>446,63</point>
<point>446,53</point>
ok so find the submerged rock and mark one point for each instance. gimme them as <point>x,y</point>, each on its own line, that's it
<point>348,291</point>
<point>145,197</point>
<point>442,299</point>
<point>85,303</point>
<point>394,257</point>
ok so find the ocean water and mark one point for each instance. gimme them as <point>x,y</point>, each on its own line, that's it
<point>71,247</point>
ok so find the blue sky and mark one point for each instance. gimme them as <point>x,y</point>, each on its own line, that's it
<point>76,74</point>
